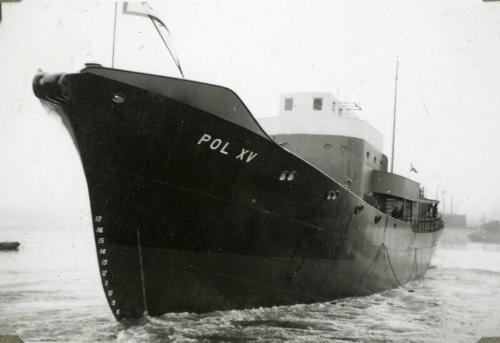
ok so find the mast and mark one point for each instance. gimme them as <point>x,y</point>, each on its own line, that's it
<point>394,115</point>
<point>114,37</point>
<point>444,204</point>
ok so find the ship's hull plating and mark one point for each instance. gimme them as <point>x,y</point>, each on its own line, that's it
<point>192,212</point>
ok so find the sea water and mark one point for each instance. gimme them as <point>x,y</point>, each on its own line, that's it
<point>50,291</point>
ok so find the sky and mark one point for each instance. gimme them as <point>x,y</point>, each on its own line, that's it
<point>448,93</point>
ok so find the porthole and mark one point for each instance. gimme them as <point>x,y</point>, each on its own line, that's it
<point>358,209</point>
<point>327,146</point>
<point>332,195</point>
<point>118,98</point>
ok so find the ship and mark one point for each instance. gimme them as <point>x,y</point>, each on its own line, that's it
<point>487,233</point>
<point>198,207</point>
<point>9,245</point>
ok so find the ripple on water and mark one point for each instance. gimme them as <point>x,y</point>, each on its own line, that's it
<point>55,302</point>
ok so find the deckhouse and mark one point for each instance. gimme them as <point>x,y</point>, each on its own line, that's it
<point>327,133</point>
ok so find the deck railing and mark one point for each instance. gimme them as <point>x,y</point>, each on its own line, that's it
<point>426,224</point>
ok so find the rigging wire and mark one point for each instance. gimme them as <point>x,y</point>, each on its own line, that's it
<point>145,10</point>
<point>154,20</point>
<point>114,37</point>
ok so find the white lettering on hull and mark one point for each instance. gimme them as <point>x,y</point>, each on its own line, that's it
<point>223,150</point>
<point>205,138</point>
<point>250,156</point>
<point>217,144</point>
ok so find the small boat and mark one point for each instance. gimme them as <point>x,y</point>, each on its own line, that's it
<point>487,233</point>
<point>9,245</point>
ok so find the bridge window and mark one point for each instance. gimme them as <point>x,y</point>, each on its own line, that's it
<point>333,106</point>
<point>288,104</point>
<point>317,104</point>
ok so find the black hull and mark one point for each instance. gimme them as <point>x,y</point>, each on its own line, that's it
<point>185,224</point>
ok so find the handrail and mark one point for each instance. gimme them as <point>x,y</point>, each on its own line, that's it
<point>427,224</point>
<point>424,224</point>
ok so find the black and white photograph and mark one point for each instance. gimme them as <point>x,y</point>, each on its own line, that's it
<point>250,171</point>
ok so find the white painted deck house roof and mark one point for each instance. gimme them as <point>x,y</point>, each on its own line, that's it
<point>319,114</point>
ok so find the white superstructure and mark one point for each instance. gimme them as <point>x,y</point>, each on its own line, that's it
<point>320,114</point>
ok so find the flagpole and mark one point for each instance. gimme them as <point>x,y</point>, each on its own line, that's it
<point>394,115</point>
<point>114,37</point>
